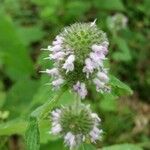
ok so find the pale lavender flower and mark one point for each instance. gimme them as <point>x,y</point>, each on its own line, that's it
<point>97,48</point>
<point>89,67</point>
<point>95,134</point>
<point>97,59</point>
<point>56,83</point>
<point>58,41</point>
<point>99,84</point>
<point>80,88</point>
<point>57,56</point>
<point>68,65</point>
<point>56,127</point>
<point>69,140</point>
<point>56,48</point>
<point>53,72</point>
<point>103,77</point>
<point>95,116</point>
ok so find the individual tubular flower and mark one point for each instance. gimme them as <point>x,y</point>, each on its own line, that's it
<point>80,88</point>
<point>76,127</point>
<point>79,53</point>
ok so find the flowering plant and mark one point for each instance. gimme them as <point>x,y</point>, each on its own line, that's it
<point>79,57</point>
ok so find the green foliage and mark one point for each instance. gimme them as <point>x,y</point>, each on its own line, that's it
<point>115,5</point>
<point>14,54</point>
<point>32,135</point>
<point>13,127</point>
<point>119,87</point>
<point>26,26</point>
<point>123,147</point>
<point>87,147</point>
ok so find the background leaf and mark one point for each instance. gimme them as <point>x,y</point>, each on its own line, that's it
<point>122,147</point>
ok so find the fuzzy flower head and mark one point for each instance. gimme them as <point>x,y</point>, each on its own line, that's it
<point>79,53</point>
<point>76,127</point>
<point>117,22</point>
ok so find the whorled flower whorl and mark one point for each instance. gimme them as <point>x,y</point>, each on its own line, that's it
<point>76,127</point>
<point>79,53</point>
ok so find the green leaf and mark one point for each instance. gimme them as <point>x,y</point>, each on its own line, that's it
<point>42,111</point>
<point>54,145</point>
<point>85,146</point>
<point>122,147</point>
<point>119,87</point>
<point>16,126</point>
<point>15,56</point>
<point>109,5</point>
<point>124,52</point>
<point>108,103</point>
<point>21,93</point>
<point>32,135</point>
<point>30,34</point>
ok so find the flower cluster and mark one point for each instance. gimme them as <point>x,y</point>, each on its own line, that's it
<point>79,53</point>
<point>74,126</point>
<point>117,21</point>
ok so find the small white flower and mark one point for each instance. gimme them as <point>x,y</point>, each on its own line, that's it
<point>80,88</point>
<point>53,72</point>
<point>95,116</point>
<point>105,44</point>
<point>57,83</point>
<point>89,67</point>
<point>101,49</point>
<point>49,48</point>
<point>68,65</point>
<point>58,41</point>
<point>56,129</point>
<point>56,113</point>
<point>95,134</point>
<point>99,84</point>
<point>56,48</point>
<point>103,77</point>
<point>96,47</point>
<point>57,56</point>
<point>69,140</point>
<point>97,58</point>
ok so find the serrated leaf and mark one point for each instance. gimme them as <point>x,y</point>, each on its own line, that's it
<point>122,147</point>
<point>85,146</point>
<point>32,135</point>
<point>119,87</point>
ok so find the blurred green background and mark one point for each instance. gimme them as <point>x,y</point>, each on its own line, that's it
<point>26,26</point>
